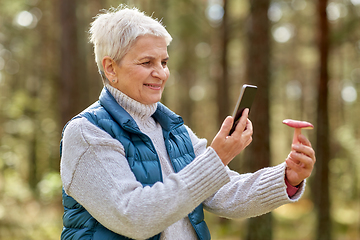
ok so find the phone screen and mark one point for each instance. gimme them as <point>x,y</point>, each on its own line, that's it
<point>245,100</point>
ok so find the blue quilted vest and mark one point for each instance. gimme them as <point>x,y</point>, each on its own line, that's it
<point>108,115</point>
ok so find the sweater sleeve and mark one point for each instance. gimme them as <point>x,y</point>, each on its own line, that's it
<point>251,194</point>
<point>95,173</point>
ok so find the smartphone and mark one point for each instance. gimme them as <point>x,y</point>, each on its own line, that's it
<point>245,100</point>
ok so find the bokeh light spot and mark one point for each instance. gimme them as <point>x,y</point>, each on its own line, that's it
<point>24,19</point>
<point>349,94</point>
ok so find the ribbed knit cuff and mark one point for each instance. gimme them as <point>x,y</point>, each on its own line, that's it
<point>205,175</point>
<point>272,187</point>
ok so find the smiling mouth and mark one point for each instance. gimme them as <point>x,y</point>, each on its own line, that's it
<point>153,86</point>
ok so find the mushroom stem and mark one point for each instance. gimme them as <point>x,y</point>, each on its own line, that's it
<point>297,132</point>
<point>298,125</point>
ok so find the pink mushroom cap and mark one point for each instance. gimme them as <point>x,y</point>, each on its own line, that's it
<point>298,124</point>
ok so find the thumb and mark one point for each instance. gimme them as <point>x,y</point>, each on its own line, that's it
<point>226,126</point>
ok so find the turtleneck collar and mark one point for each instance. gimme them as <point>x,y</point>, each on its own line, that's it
<point>136,109</point>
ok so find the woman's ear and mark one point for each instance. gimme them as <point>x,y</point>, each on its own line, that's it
<point>109,69</point>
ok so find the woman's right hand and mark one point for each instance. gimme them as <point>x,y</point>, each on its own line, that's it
<point>227,147</point>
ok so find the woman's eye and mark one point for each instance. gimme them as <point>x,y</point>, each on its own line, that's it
<point>164,64</point>
<point>146,63</point>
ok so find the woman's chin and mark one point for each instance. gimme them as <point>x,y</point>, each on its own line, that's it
<point>151,100</point>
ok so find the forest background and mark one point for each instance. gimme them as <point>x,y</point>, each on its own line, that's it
<point>303,55</point>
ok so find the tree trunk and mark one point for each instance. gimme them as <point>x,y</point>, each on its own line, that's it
<point>321,178</point>
<point>69,60</point>
<point>258,65</point>
<point>223,98</point>
<point>188,33</point>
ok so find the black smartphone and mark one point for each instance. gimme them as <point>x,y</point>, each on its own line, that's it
<point>245,100</point>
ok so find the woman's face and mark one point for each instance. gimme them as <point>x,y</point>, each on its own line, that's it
<point>143,71</point>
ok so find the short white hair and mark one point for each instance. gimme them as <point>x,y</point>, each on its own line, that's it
<point>115,31</point>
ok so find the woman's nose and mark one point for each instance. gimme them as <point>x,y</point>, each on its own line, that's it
<point>160,72</point>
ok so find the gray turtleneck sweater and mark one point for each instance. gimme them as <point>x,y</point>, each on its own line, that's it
<point>95,173</point>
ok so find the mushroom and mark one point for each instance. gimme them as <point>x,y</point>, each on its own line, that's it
<point>298,125</point>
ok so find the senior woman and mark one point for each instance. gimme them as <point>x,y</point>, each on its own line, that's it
<point>132,170</point>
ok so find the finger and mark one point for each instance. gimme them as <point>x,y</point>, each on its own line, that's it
<point>245,113</point>
<point>301,160</point>
<point>249,126</point>
<point>291,158</point>
<point>296,172</point>
<point>293,165</point>
<point>226,127</point>
<point>303,140</point>
<point>248,132</point>
<point>303,149</point>
<point>248,141</point>
<point>242,122</point>
<point>298,169</point>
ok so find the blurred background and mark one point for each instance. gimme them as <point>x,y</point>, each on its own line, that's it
<point>302,54</point>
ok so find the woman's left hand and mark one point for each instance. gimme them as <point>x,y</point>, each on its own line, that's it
<point>300,162</point>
